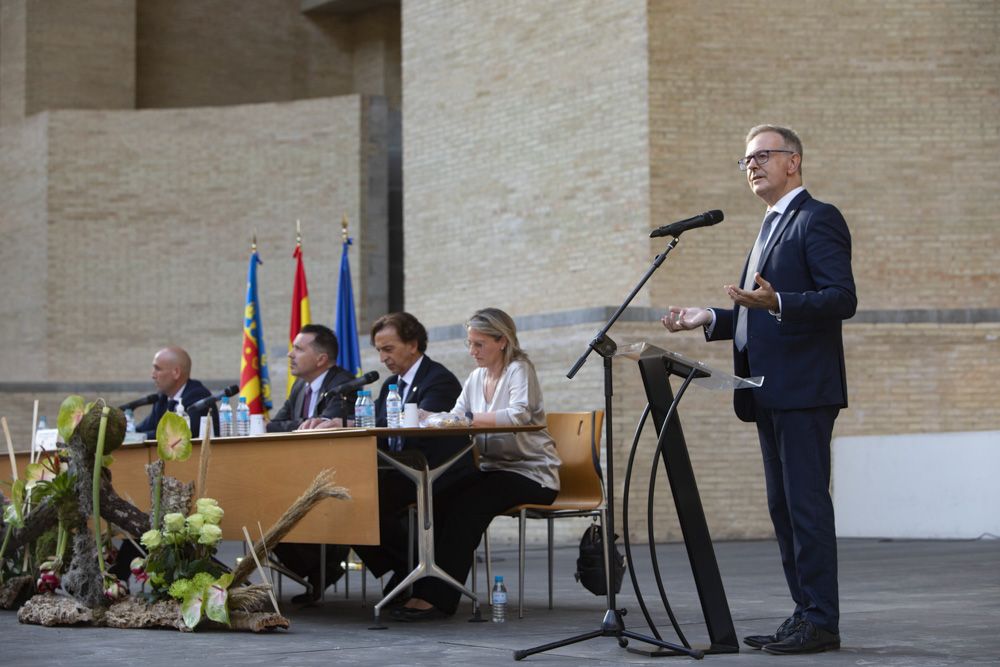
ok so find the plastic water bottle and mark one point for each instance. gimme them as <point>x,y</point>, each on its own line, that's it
<point>364,410</point>
<point>225,418</point>
<point>43,423</point>
<point>393,407</point>
<point>499,600</point>
<point>181,412</point>
<point>129,421</point>
<point>242,417</point>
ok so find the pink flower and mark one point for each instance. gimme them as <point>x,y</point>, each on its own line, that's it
<point>47,582</point>
<point>114,589</point>
<point>138,567</point>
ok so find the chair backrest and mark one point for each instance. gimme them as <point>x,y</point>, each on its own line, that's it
<point>578,441</point>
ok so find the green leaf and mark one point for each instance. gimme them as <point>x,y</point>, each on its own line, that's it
<point>14,512</point>
<point>37,472</point>
<point>173,438</point>
<point>70,413</point>
<point>192,606</point>
<point>217,599</point>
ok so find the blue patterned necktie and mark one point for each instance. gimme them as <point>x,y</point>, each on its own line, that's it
<point>740,338</point>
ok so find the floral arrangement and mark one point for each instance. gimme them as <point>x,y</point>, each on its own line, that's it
<point>180,563</point>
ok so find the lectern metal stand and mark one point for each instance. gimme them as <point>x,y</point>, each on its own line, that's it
<point>656,366</point>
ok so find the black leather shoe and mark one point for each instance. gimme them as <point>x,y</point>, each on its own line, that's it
<point>782,633</point>
<point>306,598</point>
<point>807,638</point>
<point>411,615</point>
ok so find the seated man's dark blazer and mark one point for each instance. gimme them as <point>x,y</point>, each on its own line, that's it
<point>328,406</point>
<point>193,392</point>
<point>434,389</point>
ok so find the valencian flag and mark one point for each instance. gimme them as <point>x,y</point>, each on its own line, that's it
<point>300,306</point>
<point>349,354</point>
<point>255,384</point>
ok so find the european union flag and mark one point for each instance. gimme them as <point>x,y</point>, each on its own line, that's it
<point>349,356</point>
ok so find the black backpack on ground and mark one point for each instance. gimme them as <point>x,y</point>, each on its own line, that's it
<point>590,564</point>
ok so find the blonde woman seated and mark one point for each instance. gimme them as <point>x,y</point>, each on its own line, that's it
<point>514,468</point>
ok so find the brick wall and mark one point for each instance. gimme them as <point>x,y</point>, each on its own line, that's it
<point>64,54</point>
<point>193,53</point>
<point>525,153</point>
<point>133,232</point>
<point>543,141</point>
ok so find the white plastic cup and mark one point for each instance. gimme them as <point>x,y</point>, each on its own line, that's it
<point>205,425</point>
<point>257,425</point>
<point>411,415</point>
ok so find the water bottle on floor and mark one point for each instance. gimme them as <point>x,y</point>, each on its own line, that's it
<point>499,600</point>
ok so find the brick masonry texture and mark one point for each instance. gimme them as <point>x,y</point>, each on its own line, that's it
<point>193,53</point>
<point>546,139</point>
<point>541,143</point>
<point>139,236</point>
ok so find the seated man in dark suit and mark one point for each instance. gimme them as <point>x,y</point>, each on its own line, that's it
<point>312,360</point>
<point>401,341</point>
<point>172,377</point>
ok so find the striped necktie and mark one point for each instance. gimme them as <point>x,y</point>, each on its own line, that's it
<point>740,338</point>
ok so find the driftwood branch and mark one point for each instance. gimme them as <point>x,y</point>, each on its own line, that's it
<point>114,509</point>
<point>37,522</point>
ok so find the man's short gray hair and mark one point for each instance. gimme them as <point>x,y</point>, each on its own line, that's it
<point>788,135</point>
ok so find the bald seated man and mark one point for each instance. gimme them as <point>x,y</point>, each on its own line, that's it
<point>172,377</point>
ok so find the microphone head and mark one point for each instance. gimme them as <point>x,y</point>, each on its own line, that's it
<point>371,376</point>
<point>232,390</point>
<point>716,216</point>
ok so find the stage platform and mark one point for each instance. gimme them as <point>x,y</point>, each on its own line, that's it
<point>902,603</point>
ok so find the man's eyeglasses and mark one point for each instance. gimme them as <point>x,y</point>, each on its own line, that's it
<point>760,156</point>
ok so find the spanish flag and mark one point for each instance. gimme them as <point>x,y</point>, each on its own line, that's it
<point>255,384</point>
<point>300,307</point>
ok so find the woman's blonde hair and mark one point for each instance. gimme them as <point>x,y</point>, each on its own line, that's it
<point>497,324</point>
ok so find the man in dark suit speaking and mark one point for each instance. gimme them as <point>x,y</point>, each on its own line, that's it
<point>796,289</point>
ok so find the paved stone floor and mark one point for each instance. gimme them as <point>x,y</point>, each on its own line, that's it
<point>902,603</point>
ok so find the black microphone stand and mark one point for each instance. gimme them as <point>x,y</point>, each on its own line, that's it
<point>613,624</point>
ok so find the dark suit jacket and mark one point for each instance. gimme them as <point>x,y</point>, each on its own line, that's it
<point>193,391</point>
<point>328,405</point>
<point>434,389</point>
<point>807,260</point>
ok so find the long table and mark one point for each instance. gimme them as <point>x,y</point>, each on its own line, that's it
<point>257,478</point>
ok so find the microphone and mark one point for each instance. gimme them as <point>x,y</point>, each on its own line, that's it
<point>209,400</point>
<point>706,219</point>
<point>139,402</point>
<point>352,385</point>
